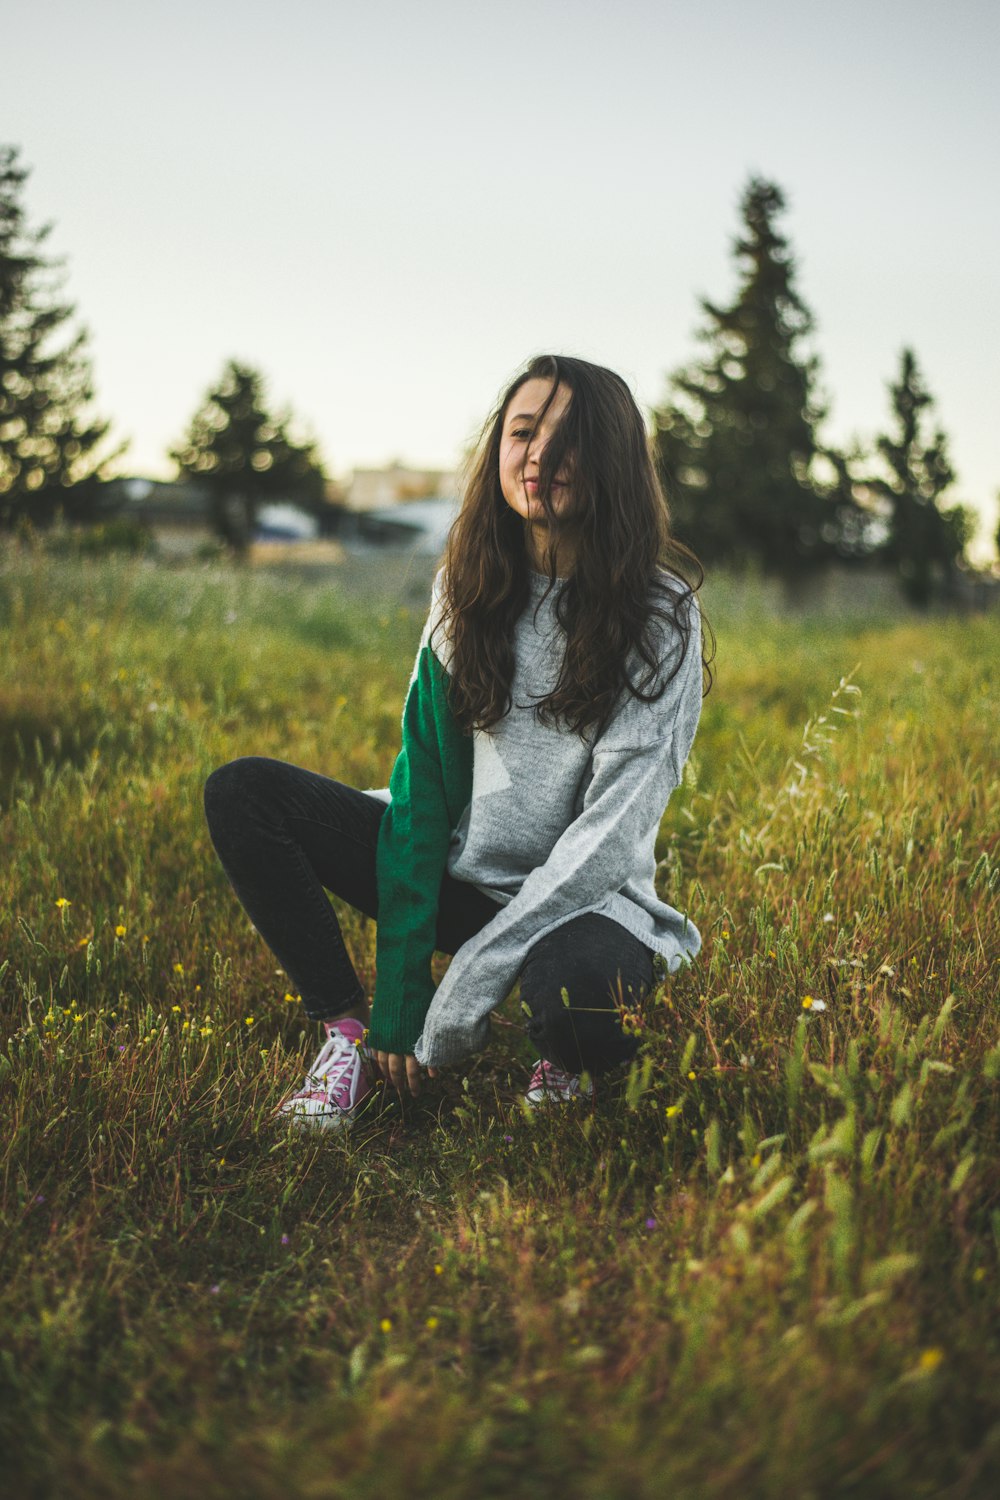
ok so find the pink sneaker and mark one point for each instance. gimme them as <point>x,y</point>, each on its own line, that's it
<point>550,1085</point>
<point>338,1082</point>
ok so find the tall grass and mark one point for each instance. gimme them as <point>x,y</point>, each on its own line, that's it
<point>767,1259</point>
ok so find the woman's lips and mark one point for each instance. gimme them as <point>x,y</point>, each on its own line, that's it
<point>532,484</point>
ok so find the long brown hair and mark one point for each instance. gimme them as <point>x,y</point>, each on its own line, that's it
<point>616,590</point>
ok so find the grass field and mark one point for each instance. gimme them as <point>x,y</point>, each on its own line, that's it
<point>765,1264</point>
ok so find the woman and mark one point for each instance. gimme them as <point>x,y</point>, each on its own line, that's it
<point>552,706</point>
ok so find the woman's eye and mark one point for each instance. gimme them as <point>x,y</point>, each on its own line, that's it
<point>521,432</point>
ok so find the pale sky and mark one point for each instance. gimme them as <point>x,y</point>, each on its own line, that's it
<point>387,207</point>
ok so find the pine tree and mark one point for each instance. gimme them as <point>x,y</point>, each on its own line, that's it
<point>925,542</point>
<point>736,441</point>
<point>244,455</point>
<point>48,440</point>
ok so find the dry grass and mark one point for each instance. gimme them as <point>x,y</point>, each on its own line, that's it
<point>766,1263</point>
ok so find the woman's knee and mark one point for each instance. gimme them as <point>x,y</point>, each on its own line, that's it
<point>578,1025</point>
<point>591,963</point>
<point>574,985</point>
<point>580,1038</point>
<point>557,1033</point>
<point>235,787</point>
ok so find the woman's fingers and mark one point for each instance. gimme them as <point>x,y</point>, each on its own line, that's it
<point>402,1071</point>
<point>384,1061</point>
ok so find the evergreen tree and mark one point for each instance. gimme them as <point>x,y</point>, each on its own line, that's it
<point>925,542</point>
<point>244,455</point>
<point>736,441</point>
<point>48,440</point>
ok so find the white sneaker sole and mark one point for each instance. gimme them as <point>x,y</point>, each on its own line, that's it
<point>555,1096</point>
<point>316,1114</point>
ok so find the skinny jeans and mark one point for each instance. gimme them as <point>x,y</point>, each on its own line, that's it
<point>286,836</point>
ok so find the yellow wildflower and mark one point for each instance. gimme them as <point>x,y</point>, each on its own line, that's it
<point>248,1020</point>
<point>175,1007</point>
<point>61,902</point>
<point>119,930</point>
<point>929,1360</point>
<point>432,1323</point>
<point>692,1075</point>
<point>438,1270</point>
<point>178,968</point>
<point>386,1325</point>
<point>673,1109</point>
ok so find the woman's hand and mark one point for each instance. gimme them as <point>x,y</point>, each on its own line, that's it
<point>403,1072</point>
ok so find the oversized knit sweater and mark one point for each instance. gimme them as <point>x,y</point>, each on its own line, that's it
<point>548,823</point>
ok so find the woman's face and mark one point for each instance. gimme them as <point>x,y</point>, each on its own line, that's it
<point>522,443</point>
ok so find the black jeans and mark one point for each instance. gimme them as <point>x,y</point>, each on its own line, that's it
<point>284,834</point>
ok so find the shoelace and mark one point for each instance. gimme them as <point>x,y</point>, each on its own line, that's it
<point>336,1058</point>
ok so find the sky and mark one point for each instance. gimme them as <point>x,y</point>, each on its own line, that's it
<point>389,207</point>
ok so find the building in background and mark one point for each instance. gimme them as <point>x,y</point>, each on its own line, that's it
<point>393,508</point>
<point>379,489</point>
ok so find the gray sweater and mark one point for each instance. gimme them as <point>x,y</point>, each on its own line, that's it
<point>558,826</point>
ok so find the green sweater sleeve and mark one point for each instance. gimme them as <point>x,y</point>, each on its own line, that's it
<point>430,787</point>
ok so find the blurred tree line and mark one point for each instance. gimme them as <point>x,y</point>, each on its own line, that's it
<point>50,441</point>
<point>738,447</point>
<point>53,454</point>
<point>736,440</point>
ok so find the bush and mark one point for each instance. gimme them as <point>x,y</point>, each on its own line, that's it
<point>120,534</point>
